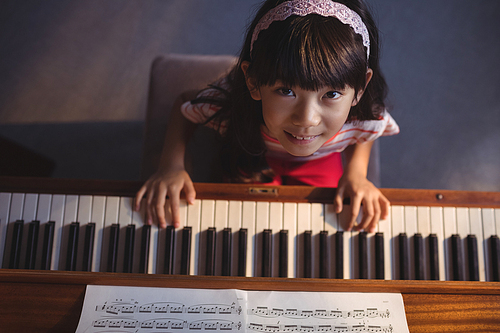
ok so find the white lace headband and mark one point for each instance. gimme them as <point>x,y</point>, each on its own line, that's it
<point>325,8</point>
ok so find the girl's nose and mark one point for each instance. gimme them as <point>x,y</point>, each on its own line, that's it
<point>306,115</point>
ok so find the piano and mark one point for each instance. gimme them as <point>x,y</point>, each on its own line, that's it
<point>440,249</point>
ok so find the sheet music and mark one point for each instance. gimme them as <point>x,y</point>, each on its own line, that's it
<point>142,309</point>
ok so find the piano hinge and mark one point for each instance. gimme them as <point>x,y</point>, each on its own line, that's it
<point>263,190</point>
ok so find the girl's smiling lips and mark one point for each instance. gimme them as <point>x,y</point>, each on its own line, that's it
<point>300,139</point>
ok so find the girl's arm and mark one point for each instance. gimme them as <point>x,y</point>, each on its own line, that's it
<point>362,192</point>
<point>171,177</point>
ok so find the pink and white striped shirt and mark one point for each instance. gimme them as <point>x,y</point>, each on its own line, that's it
<point>351,133</point>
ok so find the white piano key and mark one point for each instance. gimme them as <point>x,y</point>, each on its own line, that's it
<point>275,224</point>
<point>160,241</point>
<point>220,222</point>
<point>84,216</point>
<point>331,226</point>
<point>317,225</point>
<point>449,229</point>
<point>303,224</point>
<point>343,219</point>
<point>411,229</point>
<point>138,219</point>
<point>234,222</point>
<point>4,222</point>
<point>183,213</point>
<point>124,219</point>
<point>489,229</point>
<point>397,216</point>
<point>248,222</point>
<point>194,221</point>
<point>57,215</point>
<point>70,212</point>
<point>42,215</point>
<point>385,227</point>
<point>97,217</point>
<point>207,221</point>
<point>261,223</point>
<point>153,249</point>
<point>463,230</point>
<point>290,224</point>
<point>424,228</point>
<point>438,229</point>
<point>110,218</point>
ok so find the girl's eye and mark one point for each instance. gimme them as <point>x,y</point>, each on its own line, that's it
<point>333,94</point>
<point>285,91</point>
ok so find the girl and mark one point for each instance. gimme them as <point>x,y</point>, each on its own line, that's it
<point>307,86</point>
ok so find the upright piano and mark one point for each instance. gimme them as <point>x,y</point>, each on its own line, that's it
<point>440,249</point>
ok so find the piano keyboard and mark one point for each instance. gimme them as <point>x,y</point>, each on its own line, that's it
<point>101,233</point>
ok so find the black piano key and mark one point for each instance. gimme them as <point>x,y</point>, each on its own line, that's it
<point>15,249</point>
<point>186,250</point>
<point>324,258</point>
<point>48,241</point>
<point>339,255</point>
<point>433,257</point>
<point>210,251</point>
<point>404,268</point>
<point>473,258</point>
<point>267,252</point>
<point>283,264</point>
<point>145,242</point>
<point>242,251</point>
<point>128,258</point>
<point>495,257</point>
<point>169,250</point>
<point>113,247</point>
<point>88,247</point>
<point>308,254</point>
<point>418,244</point>
<point>363,255</point>
<point>457,258</point>
<point>226,251</point>
<point>72,248</point>
<point>32,245</point>
<point>379,256</point>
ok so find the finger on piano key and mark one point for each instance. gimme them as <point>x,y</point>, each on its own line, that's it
<point>4,221</point>
<point>168,267</point>
<point>304,241</point>
<point>290,224</point>
<point>15,248</point>
<point>489,230</point>
<point>418,243</point>
<point>276,225</point>
<point>128,260</point>
<point>210,251</point>
<point>234,223</point>
<point>283,253</point>
<point>14,214</point>
<point>47,247</point>
<point>194,221</point>
<point>29,214</point>
<point>424,229</point>
<point>70,216</point>
<point>495,258</point>
<point>248,220</point>
<point>72,246</point>
<point>242,251</point>
<point>379,256</point>
<point>227,238</point>
<point>98,214</point>
<point>110,234</point>
<point>186,251</point>
<point>261,224</point>
<point>476,229</point>
<point>437,229</point>
<point>84,217</point>
<point>32,244</point>
<point>88,247</point>
<point>267,257</point>
<point>473,260</point>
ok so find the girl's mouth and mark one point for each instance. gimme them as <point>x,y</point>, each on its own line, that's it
<point>297,139</point>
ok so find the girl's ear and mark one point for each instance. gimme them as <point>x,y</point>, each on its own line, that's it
<point>251,85</point>
<point>369,75</point>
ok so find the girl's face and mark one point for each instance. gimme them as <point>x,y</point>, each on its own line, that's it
<point>301,120</point>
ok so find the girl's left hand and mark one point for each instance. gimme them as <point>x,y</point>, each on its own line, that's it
<point>363,195</point>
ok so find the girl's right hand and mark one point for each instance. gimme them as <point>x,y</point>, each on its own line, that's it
<point>156,189</point>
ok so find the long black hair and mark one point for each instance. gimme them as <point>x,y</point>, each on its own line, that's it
<point>309,52</point>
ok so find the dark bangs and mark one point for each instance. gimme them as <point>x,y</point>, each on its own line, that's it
<point>312,52</point>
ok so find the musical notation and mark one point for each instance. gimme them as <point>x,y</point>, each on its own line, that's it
<point>143,310</point>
